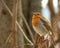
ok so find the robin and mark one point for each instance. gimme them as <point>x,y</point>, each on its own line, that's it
<point>41,25</point>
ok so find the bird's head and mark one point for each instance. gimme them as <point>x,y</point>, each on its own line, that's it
<point>36,15</point>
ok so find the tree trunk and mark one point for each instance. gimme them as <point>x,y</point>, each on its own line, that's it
<point>20,38</point>
<point>5,24</point>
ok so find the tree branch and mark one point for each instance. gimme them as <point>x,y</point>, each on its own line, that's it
<point>16,22</point>
<point>30,32</point>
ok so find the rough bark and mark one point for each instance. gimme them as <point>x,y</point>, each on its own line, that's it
<point>5,25</point>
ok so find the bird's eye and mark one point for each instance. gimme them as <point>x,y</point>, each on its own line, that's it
<point>37,14</point>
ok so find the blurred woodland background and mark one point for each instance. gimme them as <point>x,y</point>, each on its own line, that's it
<point>15,21</point>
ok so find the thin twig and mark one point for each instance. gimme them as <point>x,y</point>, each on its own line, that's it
<point>23,33</point>
<point>30,32</point>
<point>6,7</point>
<point>23,19</point>
<point>27,44</point>
<point>8,38</point>
<point>16,22</point>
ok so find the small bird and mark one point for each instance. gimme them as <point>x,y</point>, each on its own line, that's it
<point>42,27</point>
<point>40,24</point>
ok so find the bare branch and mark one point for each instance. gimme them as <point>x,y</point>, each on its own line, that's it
<point>23,19</point>
<point>23,33</point>
<point>17,22</point>
<point>6,7</point>
<point>8,38</point>
<point>30,32</point>
<point>14,23</point>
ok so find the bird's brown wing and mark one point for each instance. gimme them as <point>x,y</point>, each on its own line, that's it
<point>46,23</point>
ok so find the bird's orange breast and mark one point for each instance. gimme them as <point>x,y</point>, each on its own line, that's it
<point>34,21</point>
